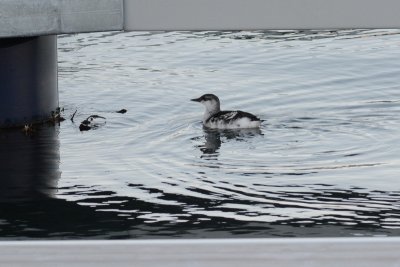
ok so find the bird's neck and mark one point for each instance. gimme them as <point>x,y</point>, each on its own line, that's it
<point>210,112</point>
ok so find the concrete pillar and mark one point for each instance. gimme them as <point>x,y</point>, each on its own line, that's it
<point>28,79</point>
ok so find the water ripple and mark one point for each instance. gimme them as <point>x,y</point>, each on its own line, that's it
<point>324,162</point>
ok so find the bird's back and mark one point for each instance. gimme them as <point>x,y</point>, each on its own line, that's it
<point>232,120</point>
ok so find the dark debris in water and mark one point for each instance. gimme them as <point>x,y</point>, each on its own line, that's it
<point>28,129</point>
<point>55,118</point>
<point>92,122</point>
<point>73,115</point>
<point>122,111</point>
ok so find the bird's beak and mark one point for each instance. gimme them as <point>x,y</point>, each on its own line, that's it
<point>196,99</point>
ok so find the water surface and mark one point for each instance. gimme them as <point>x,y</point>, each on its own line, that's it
<point>324,163</point>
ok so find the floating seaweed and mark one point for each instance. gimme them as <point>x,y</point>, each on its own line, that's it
<point>91,123</point>
<point>28,129</point>
<point>56,116</point>
<point>122,111</point>
<point>73,115</point>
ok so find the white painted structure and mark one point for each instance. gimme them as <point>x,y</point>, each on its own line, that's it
<point>21,18</point>
<point>282,252</point>
<point>43,17</point>
<point>260,14</point>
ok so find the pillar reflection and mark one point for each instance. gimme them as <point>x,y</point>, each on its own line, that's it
<point>29,163</point>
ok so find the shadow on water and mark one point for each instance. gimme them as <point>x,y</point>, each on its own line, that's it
<point>30,209</point>
<point>29,175</point>
<point>29,164</point>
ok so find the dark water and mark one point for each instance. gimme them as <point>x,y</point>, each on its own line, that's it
<point>324,163</point>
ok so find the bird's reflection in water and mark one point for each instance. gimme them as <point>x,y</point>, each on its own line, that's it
<point>215,137</point>
<point>29,163</point>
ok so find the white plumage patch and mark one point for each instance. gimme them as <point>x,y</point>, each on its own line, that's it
<point>226,122</point>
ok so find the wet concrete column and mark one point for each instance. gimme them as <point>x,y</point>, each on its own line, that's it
<point>28,79</point>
